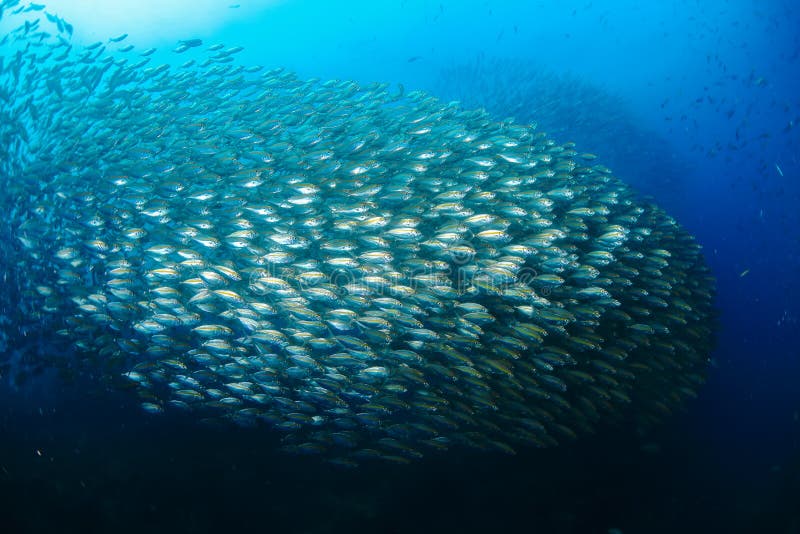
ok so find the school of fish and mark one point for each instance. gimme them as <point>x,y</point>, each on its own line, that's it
<point>567,106</point>
<point>371,272</point>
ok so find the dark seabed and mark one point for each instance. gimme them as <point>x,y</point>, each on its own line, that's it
<point>167,476</point>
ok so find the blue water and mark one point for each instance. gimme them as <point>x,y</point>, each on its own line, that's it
<point>717,83</point>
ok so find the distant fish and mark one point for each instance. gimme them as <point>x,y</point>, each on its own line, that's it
<point>191,43</point>
<point>185,45</point>
<point>118,39</point>
<point>412,59</point>
<point>59,23</point>
<point>744,273</point>
<point>778,168</point>
<point>233,6</point>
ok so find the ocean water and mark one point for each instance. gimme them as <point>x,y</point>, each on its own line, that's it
<point>693,104</point>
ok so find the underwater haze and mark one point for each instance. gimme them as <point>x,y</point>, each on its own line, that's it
<point>401,266</point>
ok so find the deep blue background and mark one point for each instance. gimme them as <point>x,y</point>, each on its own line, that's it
<point>719,83</point>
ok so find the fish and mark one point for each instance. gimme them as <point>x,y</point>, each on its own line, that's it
<point>187,44</point>
<point>369,272</point>
<point>191,43</point>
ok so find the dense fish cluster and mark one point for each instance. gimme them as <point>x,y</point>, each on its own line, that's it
<point>372,273</point>
<point>566,107</point>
